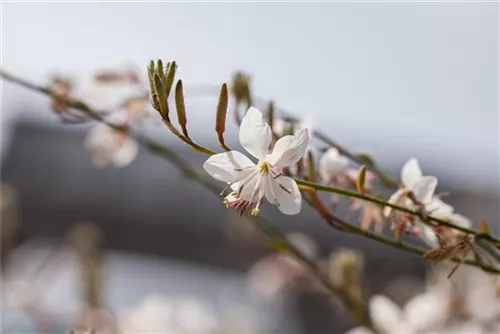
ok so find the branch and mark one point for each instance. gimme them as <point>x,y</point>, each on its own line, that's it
<point>425,218</point>
<point>347,227</point>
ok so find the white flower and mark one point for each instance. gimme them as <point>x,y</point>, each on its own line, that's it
<point>429,234</point>
<point>109,146</point>
<point>152,314</point>
<point>421,314</point>
<point>472,295</point>
<point>251,182</point>
<point>481,298</point>
<point>439,209</point>
<point>414,183</point>
<point>157,314</point>
<point>108,90</point>
<point>331,164</point>
<point>272,276</point>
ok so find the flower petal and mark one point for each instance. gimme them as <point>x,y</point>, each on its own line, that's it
<point>289,149</point>
<point>228,166</point>
<point>331,164</point>
<point>460,220</point>
<point>394,199</point>
<point>481,301</point>
<point>255,133</point>
<point>437,208</point>
<point>386,315</point>
<point>126,154</point>
<point>252,190</point>
<point>425,311</point>
<point>289,201</point>
<point>428,235</point>
<point>424,189</point>
<point>359,330</point>
<point>411,173</point>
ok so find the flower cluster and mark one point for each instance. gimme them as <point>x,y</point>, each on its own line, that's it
<point>468,305</point>
<point>119,96</point>
<point>418,192</point>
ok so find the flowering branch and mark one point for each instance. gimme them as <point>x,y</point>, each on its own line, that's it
<point>330,218</point>
<point>274,234</point>
<point>242,93</point>
<point>422,215</point>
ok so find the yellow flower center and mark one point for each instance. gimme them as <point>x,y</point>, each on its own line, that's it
<point>264,167</point>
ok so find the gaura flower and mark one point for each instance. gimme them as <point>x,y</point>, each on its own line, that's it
<point>108,90</point>
<point>157,314</point>
<point>449,235</point>
<point>109,146</point>
<point>272,276</point>
<point>422,313</point>
<point>414,184</point>
<point>251,182</point>
<point>332,164</point>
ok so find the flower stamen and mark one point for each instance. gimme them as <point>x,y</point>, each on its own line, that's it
<point>285,188</point>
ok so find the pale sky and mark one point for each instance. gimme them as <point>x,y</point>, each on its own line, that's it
<point>396,79</point>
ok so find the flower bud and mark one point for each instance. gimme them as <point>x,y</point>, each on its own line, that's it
<point>345,267</point>
<point>360,182</point>
<point>160,84</point>
<point>220,119</point>
<point>240,88</point>
<point>181,107</point>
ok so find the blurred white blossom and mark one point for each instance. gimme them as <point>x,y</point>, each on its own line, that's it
<point>272,276</point>
<point>110,147</point>
<point>414,184</point>
<point>331,165</point>
<point>421,314</point>
<point>158,314</point>
<point>108,90</point>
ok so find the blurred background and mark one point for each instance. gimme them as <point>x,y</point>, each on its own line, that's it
<point>396,80</point>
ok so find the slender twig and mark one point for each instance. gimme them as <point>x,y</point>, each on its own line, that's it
<point>265,226</point>
<point>377,200</point>
<point>336,221</point>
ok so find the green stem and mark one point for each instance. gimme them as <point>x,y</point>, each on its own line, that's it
<point>377,200</point>
<point>400,245</point>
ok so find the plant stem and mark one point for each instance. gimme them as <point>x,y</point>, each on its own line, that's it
<point>376,200</point>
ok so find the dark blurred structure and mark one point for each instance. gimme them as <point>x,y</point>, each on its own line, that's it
<point>150,208</point>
